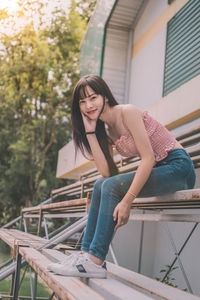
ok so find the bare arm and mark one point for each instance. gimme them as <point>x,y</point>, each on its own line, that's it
<point>134,122</point>
<point>97,153</point>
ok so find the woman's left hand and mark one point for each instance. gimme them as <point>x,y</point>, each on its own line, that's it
<point>121,213</point>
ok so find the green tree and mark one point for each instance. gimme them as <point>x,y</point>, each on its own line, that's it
<point>85,8</point>
<point>39,64</point>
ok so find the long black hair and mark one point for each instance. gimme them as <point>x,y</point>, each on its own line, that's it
<point>99,86</point>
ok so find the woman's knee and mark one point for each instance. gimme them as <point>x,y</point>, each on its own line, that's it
<point>98,184</point>
<point>110,185</point>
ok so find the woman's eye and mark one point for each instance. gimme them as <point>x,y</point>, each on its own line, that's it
<point>81,101</point>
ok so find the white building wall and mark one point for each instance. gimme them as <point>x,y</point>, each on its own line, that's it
<point>146,84</point>
<point>152,11</point>
<point>147,69</point>
<point>126,245</point>
<point>147,66</point>
<point>164,253</point>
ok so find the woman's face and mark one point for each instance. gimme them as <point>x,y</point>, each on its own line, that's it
<point>91,105</point>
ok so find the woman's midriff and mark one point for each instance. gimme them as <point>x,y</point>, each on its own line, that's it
<point>177,145</point>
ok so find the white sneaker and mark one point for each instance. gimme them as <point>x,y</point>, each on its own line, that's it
<point>69,259</point>
<point>81,267</point>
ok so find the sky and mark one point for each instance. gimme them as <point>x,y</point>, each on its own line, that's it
<point>12,5</point>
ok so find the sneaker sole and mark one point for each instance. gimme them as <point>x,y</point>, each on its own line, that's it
<point>91,275</point>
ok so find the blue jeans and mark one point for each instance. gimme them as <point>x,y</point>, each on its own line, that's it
<point>175,172</point>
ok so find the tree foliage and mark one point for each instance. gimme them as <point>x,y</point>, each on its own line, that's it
<point>85,8</point>
<point>39,64</point>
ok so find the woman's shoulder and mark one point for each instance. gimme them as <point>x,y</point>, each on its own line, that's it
<point>129,109</point>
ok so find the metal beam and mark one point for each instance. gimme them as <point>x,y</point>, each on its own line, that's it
<point>17,277</point>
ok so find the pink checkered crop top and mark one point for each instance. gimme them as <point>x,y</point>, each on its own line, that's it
<point>162,140</point>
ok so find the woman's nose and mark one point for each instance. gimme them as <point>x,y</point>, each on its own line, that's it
<point>88,104</point>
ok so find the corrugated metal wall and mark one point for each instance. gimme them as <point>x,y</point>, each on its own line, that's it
<point>117,47</point>
<point>115,62</point>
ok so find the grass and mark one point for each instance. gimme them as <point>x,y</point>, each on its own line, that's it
<point>25,290</point>
<point>5,285</point>
<point>4,252</point>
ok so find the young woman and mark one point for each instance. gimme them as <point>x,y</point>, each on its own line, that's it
<point>99,123</point>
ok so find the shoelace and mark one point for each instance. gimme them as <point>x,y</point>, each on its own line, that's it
<point>70,258</point>
<point>80,259</point>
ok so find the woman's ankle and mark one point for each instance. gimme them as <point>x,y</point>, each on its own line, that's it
<point>96,260</point>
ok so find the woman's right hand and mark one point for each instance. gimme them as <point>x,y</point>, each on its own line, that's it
<point>89,124</point>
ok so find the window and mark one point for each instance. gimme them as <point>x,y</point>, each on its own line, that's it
<point>182,58</point>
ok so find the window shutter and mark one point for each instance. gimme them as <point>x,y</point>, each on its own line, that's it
<point>170,1</point>
<point>182,58</point>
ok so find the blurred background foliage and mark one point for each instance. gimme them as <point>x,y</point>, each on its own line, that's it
<point>39,65</point>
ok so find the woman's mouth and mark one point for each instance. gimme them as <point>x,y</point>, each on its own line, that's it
<point>91,112</point>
